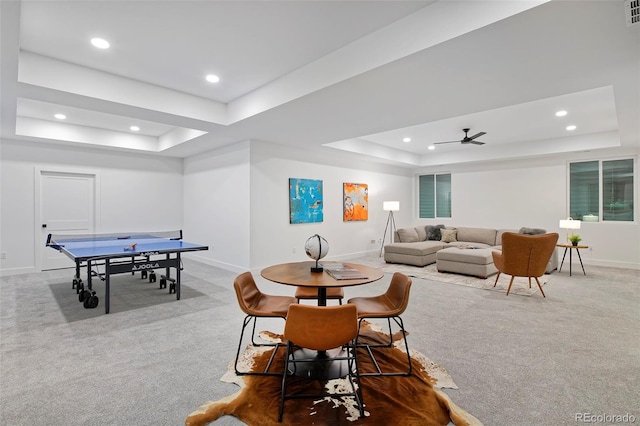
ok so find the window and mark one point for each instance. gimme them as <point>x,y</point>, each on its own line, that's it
<point>584,198</point>
<point>617,190</point>
<point>602,189</point>
<point>434,195</point>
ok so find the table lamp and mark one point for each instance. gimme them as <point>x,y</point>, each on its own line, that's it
<point>389,206</point>
<point>569,223</point>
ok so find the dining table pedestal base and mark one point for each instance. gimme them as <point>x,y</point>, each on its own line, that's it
<point>325,365</point>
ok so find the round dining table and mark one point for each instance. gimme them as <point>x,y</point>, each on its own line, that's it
<point>299,274</point>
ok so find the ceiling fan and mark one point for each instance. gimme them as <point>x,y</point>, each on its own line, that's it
<point>467,138</point>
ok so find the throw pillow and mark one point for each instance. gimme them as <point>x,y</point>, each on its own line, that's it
<point>422,233</point>
<point>532,231</point>
<point>408,235</point>
<point>448,235</point>
<point>433,232</point>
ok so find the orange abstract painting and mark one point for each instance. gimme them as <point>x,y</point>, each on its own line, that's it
<point>355,202</point>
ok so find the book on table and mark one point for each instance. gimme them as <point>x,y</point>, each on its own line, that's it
<point>340,271</point>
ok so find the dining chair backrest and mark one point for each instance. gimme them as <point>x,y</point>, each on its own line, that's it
<point>321,328</point>
<point>527,255</point>
<point>247,292</point>
<point>398,293</point>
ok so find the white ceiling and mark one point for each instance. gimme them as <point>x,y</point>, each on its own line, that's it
<point>352,75</point>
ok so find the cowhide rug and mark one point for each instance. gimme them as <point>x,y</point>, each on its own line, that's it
<point>392,400</point>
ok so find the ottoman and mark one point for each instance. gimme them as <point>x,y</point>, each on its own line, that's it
<point>418,254</point>
<point>467,261</point>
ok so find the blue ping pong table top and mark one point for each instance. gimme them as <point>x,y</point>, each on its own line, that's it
<point>117,247</point>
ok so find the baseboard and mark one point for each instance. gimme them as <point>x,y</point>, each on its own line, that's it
<point>610,264</point>
<point>355,255</point>
<point>211,262</point>
<point>16,271</point>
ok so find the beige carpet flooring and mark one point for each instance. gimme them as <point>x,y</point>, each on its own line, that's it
<point>516,360</point>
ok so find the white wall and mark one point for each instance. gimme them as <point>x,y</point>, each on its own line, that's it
<point>275,240</point>
<point>216,206</point>
<point>137,192</point>
<point>531,195</point>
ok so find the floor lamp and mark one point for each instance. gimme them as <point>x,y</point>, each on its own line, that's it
<point>389,206</point>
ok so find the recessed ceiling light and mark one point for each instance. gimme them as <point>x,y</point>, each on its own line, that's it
<point>100,43</point>
<point>60,116</point>
<point>212,78</point>
<point>134,128</point>
<point>431,147</point>
<point>571,127</point>
<point>406,140</point>
<point>561,113</point>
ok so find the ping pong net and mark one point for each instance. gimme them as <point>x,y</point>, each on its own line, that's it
<point>59,240</point>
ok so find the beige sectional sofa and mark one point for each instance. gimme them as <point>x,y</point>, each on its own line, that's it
<point>461,250</point>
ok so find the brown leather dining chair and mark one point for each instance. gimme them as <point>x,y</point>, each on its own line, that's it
<point>320,328</point>
<point>524,256</point>
<point>256,304</point>
<point>311,293</point>
<point>390,305</point>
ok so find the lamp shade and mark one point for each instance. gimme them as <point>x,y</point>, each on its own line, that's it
<point>391,206</point>
<point>569,224</point>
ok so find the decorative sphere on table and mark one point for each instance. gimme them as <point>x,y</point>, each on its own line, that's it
<point>316,248</point>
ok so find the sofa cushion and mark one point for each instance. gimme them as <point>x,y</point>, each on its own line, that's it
<point>476,256</point>
<point>500,233</point>
<point>420,248</point>
<point>433,232</point>
<point>532,231</point>
<point>448,235</point>
<point>477,235</point>
<point>468,245</point>
<point>422,233</point>
<point>408,235</point>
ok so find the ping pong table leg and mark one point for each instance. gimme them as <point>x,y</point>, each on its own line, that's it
<point>107,274</point>
<point>167,271</point>
<point>89,274</point>
<point>178,276</point>
<point>77,280</point>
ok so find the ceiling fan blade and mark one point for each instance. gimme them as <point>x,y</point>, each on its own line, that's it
<point>476,142</point>
<point>438,143</point>
<point>477,135</point>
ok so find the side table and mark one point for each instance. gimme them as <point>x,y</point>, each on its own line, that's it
<point>571,247</point>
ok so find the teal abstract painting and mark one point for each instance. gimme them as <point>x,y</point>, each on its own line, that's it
<point>305,200</point>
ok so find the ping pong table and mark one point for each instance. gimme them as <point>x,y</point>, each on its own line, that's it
<point>124,252</point>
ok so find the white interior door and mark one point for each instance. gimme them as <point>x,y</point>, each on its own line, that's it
<point>67,206</point>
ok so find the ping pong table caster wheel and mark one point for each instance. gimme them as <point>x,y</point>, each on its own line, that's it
<point>79,286</point>
<point>91,301</point>
<point>172,288</point>
<point>163,283</point>
<point>152,277</point>
<point>143,275</point>
<point>82,294</point>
